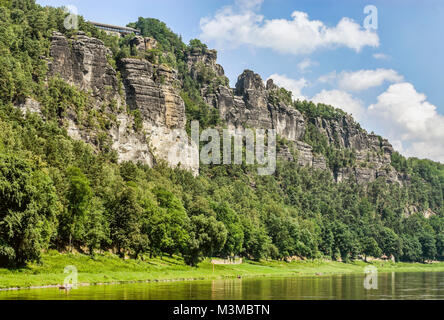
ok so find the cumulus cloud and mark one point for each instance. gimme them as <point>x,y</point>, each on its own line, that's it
<point>295,86</point>
<point>362,79</point>
<point>241,25</point>
<point>365,79</point>
<point>406,116</point>
<point>342,100</point>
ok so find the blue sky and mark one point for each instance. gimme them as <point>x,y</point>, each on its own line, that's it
<point>390,78</point>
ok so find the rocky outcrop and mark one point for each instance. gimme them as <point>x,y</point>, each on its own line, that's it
<point>346,133</point>
<point>82,61</point>
<point>412,209</point>
<point>142,44</point>
<point>373,154</point>
<point>248,106</point>
<point>30,105</point>
<point>149,89</point>
<point>306,156</point>
<point>198,58</point>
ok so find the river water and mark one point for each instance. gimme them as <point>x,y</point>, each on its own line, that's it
<point>400,286</point>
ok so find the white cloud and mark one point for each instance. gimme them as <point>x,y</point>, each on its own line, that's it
<point>241,25</point>
<point>295,86</point>
<point>365,79</point>
<point>380,56</point>
<point>362,79</point>
<point>406,116</point>
<point>306,64</point>
<point>342,100</point>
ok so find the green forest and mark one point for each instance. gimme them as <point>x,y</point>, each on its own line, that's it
<point>59,193</point>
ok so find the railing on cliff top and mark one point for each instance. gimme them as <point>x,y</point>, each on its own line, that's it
<point>121,30</point>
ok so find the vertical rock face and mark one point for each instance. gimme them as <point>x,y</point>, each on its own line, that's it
<point>150,90</point>
<point>82,61</point>
<point>131,146</point>
<point>248,106</point>
<point>306,156</point>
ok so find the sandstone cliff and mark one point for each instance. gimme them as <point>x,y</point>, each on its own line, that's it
<point>249,105</point>
<point>152,91</point>
<point>148,89</point>
<point>82,61</point>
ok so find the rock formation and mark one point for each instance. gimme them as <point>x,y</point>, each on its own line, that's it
<point>142,44</point>
<point>82,61</point>
<point>248,105</point>
<point>151,90</point>
<point>197,58</point>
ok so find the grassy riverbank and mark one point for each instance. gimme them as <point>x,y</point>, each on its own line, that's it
<point>110,269</point>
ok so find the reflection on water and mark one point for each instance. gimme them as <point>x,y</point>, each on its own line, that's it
<point>426,285</point>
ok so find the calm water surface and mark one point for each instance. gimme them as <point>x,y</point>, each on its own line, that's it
<point>425,285</point>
